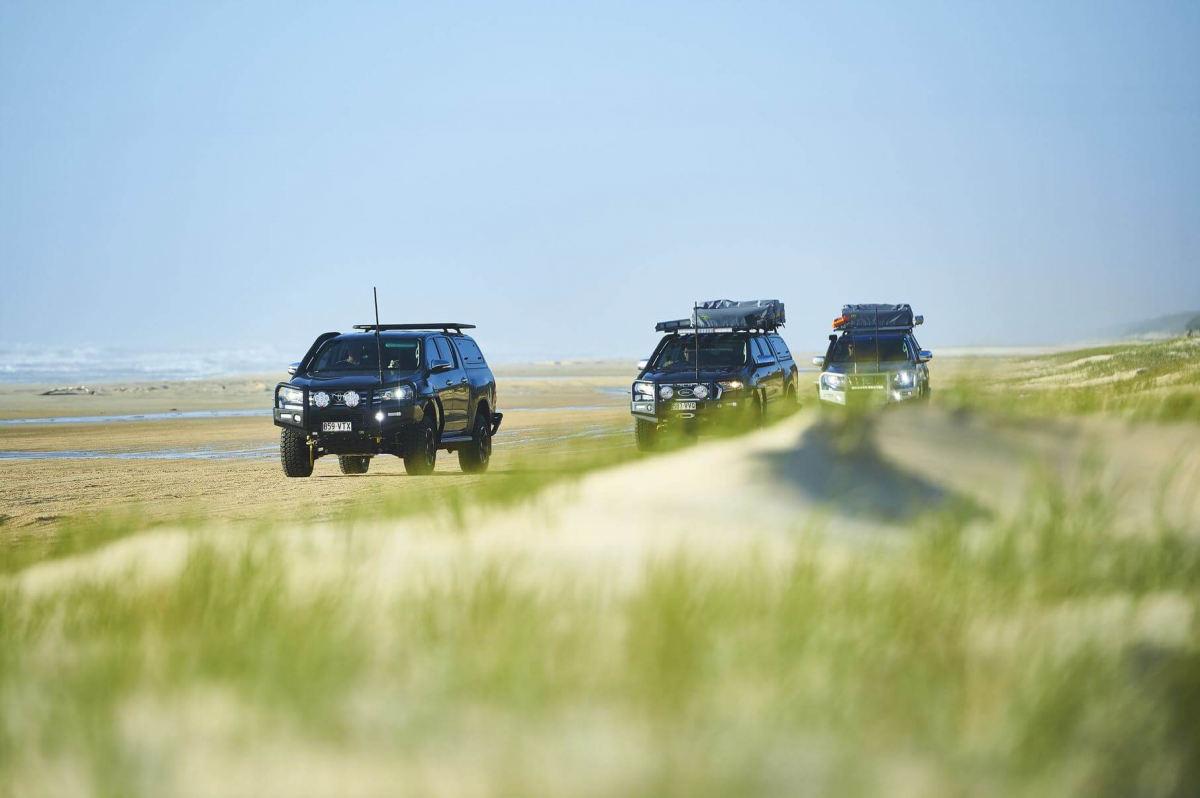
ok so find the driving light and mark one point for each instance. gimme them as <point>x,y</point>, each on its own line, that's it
<point>904,379</point>
<point>350,398</point>
<point>730,385</point>
<point>666,392</point>
<point>292,396</point>
<point>402,393</point>
<point>700,391</point>
<point>833,382</point>
<point>379,416</point>
<point>320,399</point>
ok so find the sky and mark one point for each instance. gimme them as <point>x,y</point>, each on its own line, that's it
<point>222,175</point>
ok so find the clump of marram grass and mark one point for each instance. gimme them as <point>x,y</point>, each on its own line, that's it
<point>1154,382</point>
<point>1044,654</point>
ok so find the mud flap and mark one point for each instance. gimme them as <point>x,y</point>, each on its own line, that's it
<point>496,419</point>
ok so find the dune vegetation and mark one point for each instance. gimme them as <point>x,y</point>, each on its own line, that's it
<point>1043,650</point>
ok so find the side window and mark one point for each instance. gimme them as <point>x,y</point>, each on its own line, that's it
<point>445,351</point>
<point>761,350</point>
<point>781,350</point>
<point>472,357</point>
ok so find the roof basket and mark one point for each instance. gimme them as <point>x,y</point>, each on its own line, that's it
<point>877,317</point>
<point>726,314</point>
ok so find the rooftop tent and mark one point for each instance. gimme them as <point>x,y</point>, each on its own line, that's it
<point>876,317</point>
<point>758,314</point>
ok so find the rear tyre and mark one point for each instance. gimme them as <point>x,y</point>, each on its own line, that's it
<point>420,455</point>
<point>645,434</point>
<point>353,464</point>
<point>295,454</point>
<point>476,456</point>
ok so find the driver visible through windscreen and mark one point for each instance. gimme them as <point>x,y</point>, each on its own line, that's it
<point>717,350</point>
<point>359,353</point>
<point>862,349</point>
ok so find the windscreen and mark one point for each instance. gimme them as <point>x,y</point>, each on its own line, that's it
<point>717,350</point>
<point>358,353</point>
<point>861,349</point>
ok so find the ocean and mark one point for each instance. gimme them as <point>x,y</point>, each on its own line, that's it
<point>85,365</point>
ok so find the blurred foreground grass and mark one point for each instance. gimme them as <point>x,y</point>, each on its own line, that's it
<point>1043,655</point>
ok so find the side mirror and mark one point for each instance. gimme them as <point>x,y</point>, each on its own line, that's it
<point>642,364</point>
<point>764,360</point>
<point>925,356</point>
<point>819,362</point>
<point>438,366</point>
<point>292,369</point>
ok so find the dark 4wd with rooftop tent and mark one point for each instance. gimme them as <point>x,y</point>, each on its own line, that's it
<point>727,363</point>
<point>874,358</point>
<point>400,389</point>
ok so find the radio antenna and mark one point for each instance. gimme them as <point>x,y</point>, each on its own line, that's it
<point>378,345</point>
<point>696,335</point>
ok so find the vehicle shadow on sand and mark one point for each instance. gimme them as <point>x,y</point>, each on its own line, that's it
<point>837,462</point>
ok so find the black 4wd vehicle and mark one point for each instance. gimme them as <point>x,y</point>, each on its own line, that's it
<point>401,389</point>
<point>874,359</point>
<point>727,363</point>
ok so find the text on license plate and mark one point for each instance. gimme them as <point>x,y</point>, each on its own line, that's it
<point>335,426</point>
<point>685,405</point>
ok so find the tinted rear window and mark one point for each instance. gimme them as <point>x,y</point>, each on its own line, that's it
<point>471,356</point>
<point>781,350</point>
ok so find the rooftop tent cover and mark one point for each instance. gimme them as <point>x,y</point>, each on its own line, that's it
<point>722,313</point>
<point>875,317</point>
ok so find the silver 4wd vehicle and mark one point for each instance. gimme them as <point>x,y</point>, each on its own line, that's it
<point>874,358</point>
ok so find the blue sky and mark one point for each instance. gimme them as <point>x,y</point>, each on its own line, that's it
<point>211,175</point>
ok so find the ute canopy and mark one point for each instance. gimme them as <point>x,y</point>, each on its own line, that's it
<point>877,317</point>
<point>726,314</point>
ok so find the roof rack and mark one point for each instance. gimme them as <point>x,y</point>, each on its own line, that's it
<point>725,314</point>
<point>444,326</point>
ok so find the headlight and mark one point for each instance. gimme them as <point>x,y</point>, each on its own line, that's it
<point>320,399</point>
<point>730,385</point>
<point>666,392</point>
<point>700,391</point>
<point>833,382</point>
<point>401,393</point>
<point>643,391</point>
<point>904,379</point>
<point>351,398</point>
<point>290,396</point>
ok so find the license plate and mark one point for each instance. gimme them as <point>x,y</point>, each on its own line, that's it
<point>685,405</point>
<point>335,426</point>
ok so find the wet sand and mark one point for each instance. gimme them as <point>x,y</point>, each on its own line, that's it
<point>227,468</point>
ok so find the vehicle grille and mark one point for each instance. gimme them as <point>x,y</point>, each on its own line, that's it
<point>688,390</point>
<point>876,382</point>
<point>338,398</point>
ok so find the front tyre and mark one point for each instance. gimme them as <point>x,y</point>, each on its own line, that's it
<point>420,455</point>
<point>476,456</point>
<point>645,434</point>
<point>353,465</point>
<point>295,454</point>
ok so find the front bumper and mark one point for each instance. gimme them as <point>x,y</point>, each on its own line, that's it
<point>705,411</point>
<point>364,421</point>
<point>866,396</point>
